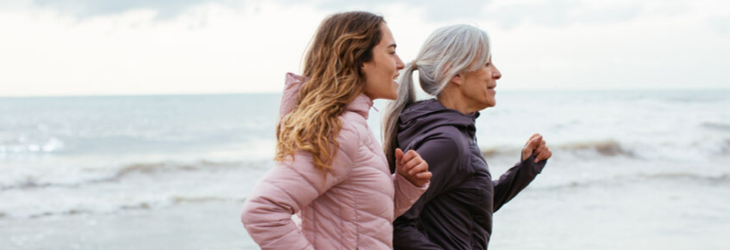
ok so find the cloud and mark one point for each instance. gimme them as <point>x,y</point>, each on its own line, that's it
<point>433,10</point>
<point>508,13</point>
<point>89,8</point>
<point>721,25</point>
<point>561,13</point>
<point>217,46</point>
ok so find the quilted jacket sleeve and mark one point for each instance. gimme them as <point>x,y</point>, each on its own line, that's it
<point>286,189</point>
<point>515,180</point>
<point>406,193</point>
<point>292,185</point>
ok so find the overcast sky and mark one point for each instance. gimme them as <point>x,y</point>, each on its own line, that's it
<point>93,47</point>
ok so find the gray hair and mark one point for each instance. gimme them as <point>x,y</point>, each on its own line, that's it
<point>447,52</point>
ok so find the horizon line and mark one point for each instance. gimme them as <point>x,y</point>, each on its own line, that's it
<point>279,92</point>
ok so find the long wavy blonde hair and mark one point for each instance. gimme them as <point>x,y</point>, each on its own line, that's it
<point>342,44</point>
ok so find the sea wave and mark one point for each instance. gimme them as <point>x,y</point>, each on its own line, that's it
<point>116,208</point>
<point>608,148</point>
<point>95,176</point>
<point>687,176</point>
<point>166,167</point>
<point>26,146</point>
<point>201,199</point>
<point>716,126</point>
<point>139,186</point>
<point>605,148</point>
<point>613,181</point>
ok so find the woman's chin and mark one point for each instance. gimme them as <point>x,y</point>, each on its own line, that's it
<point>394,93</point>
<point>489,104</point>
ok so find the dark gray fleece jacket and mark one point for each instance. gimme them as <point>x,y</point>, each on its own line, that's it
<point>456,210</point>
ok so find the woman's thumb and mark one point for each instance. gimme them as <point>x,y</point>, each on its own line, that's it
<point>398,154</point>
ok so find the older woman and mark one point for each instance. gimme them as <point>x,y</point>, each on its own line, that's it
<point>331,171</point>
<point>455,66</point>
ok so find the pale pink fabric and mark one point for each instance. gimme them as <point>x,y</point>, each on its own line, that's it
<point>352,207</point>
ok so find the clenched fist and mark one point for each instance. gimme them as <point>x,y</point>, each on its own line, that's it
<point>411,166</point>
<point>536,146</point>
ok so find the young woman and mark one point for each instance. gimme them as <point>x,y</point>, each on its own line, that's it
<point>330,169</point>
<point>455,66</point>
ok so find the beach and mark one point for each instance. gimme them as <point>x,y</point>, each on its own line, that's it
<point>630,170</point>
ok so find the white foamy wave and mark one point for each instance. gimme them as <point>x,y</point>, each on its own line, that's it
<point>565,172</point>
<point>43,177</point>
<point>689,150</point>
<point>605,148</point>
<point>101,204</point>
<point>50,145</point>
<point>622,179</point>
<point>138,186</point>
<point>716,126</point>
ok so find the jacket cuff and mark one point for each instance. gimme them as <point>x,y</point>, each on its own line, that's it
<point>535,168</point>
<point>408,190</point>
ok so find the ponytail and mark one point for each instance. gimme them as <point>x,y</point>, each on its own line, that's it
<point>447,52</point>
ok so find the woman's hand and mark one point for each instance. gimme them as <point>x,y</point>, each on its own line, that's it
<point>536,146</point>
<point>412,167</point>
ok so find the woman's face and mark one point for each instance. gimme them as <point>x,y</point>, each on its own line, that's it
<point>381,71</point>
<point>478,86</point>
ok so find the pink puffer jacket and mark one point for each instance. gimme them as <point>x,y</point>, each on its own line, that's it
<point>351,208</point>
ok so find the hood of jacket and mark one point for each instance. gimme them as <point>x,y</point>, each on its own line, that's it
<point>290,97</point>
<point>421,117</point>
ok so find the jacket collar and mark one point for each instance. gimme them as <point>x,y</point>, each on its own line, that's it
<point>423,116</point>
<point>360,105</point>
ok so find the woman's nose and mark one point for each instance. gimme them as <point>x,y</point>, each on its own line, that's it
<point>399,63</point>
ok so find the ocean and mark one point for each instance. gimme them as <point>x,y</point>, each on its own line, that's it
<point>630,169</point>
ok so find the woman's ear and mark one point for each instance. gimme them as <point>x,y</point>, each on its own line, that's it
<point>457,79</point>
